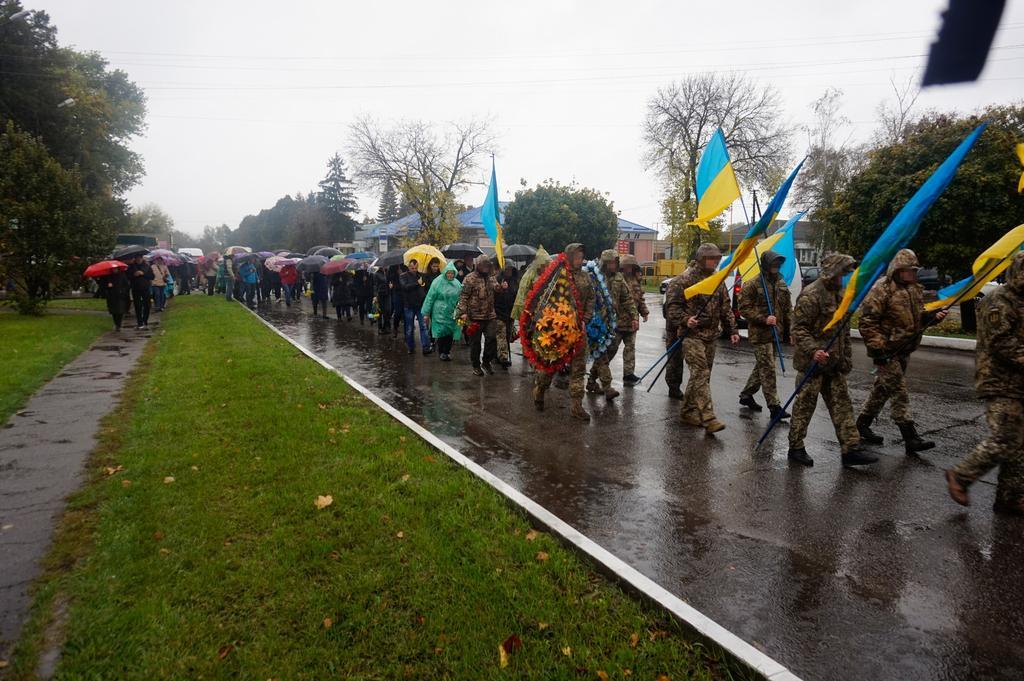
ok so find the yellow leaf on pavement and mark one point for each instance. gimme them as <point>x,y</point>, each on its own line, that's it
<point>323,501</point>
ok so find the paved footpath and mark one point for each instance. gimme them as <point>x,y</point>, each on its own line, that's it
<point>43,450</point>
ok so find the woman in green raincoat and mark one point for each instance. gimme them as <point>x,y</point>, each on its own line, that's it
<point>439,311</point>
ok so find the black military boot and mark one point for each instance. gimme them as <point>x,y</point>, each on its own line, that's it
<point>855,456</point>
<point>749,402</point>
<point>800,456</point>
<point>776,411</point>
<point>866,434</point>
<point>675,393</point>
<point>630,379</point>
<point>912,441</point>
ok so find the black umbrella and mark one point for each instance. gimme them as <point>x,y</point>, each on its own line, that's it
<point>300,256</point>
<point>391,258</point>
<point>129,251</point>
<point>517,251</point>
<point>327,252</point>
<point>311,263</point>
<point>461,251</point>
<point>313,250</point>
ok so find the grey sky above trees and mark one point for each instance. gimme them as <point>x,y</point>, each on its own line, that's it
<point>246,100</point>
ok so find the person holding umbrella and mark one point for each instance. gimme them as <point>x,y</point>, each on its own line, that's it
<point>140,274</point>
<point>438,311</point>
<point>413,293</point>
<point>363,292</point>
<point>289,277</point>
<point>113,284</point>
<point>432,273</point>
<point>210,272</point>
<point>160,276</point>
<point>250,279</point>
<point>320,290</point>
<point>382,294</point>
<point>341,294</point>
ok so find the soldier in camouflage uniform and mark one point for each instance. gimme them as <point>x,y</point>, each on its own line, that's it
<point>814,310</point>
<point>999,380</point>
<point>578,368</point>
<point>753,306</point>
<point>892,321</point>
<point>630,269</point>
<point>626,322</point>
<point>675,301</point>
<point>699,321</point>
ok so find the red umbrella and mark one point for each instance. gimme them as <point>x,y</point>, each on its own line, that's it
<point>335,266</point>
<point>102,269</point>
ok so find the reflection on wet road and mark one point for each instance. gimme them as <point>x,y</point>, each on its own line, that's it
<point>869,574</point>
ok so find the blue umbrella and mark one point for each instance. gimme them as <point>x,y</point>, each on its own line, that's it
<point>361,255</point>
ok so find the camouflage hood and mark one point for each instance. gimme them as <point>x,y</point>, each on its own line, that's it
<point>1015,274</point>
<point>628,260</point>
<point>707,250</point>
<point>905,259</point>
<point>572,249</point>
<point>835,264</point>
<point>771,259</point>
<point>608,255</point>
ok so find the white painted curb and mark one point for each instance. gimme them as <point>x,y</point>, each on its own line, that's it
<point>703,625</point>
<point>945,342</point>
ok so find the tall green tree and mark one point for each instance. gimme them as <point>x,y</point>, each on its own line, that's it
<point>50,227</point>
<point>388,210</point>
<point>555,215</point>
<point>338,200</point>
<point>979,206</point>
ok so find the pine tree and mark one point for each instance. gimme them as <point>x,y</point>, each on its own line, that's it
<point>387,211</point>
<point>337,199</point>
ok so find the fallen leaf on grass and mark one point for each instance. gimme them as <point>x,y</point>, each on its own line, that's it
<point>323,406</point>
<point>531,535</point>
<point>400,535</point>
<point>225,651</point>
<point>111,470</point>
<point>328,623</point>
<point>602,675</point>
<point>332,431</point>
<point>405,478</point>
<point>126,483</point>
<point>567,651</point>
<point>542,625</point>
<point>627,672</point>
<point>634,639</point>
<point>542,556</point>
<point>512,644</point>
<point>165,552</point>
<point>323,501</point>
<point>169,479</point>
<point>655,634</point>
<point>502,657</point>
<point>158,535</point>
<point>195,468</point>
<point>334,555</point>
<point>663,677</point>
<point>401,438</point>
<point>429,459</point>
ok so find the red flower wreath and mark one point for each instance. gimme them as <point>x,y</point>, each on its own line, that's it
<point>524,318</point>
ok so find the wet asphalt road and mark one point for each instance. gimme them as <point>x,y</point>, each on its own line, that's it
<point>838,574</point>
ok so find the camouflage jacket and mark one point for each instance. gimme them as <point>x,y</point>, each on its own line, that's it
<point>622,300</point>
<point>477,296</point>
<point>892,318</point>
<point>637,289</point>
<point>715,310</point>
<point>586,293</point>
<point>753,306</point>
<point>999,370</point>
<point>814,309</point>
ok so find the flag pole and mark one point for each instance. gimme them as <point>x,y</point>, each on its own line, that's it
<point>764,287</point>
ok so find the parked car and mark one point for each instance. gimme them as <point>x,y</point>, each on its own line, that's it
<point>664,286</point>
<point>809,274</point>
<point>929,278</point>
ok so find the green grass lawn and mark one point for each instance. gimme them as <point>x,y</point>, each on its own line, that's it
<point>80,304</point>
<point>206,557</point>
<point>36,348</point>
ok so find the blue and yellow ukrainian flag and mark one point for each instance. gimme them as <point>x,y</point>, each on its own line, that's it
<point>716,182</point>
<point>987,266</point>
<point>901,230</point>
<point>490,216</point>
<point>707,286</point>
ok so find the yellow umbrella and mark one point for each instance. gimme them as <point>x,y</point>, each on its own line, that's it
<point>423,254</point>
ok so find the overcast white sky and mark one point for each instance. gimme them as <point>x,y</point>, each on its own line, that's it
<point>248,99</point>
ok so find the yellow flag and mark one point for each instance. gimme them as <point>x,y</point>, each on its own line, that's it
<point>987,266</point>
<point>751,265</point>
<point>1020,155</point>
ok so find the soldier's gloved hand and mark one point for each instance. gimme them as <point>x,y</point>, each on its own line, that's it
<point>771,321</point>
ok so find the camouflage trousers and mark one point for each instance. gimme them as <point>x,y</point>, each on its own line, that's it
<point>700,358</point>
<point>577,376</point>
<point>628,352</point>
<point>601,369</point>
<point>836,394</point>
<point>762,377</point>
<point>673,366</point>
<point>890,386</point>
<point>504,331</point>
<point>1004,447</point>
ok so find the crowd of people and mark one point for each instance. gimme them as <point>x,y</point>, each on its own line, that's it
<point>480,305</point>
